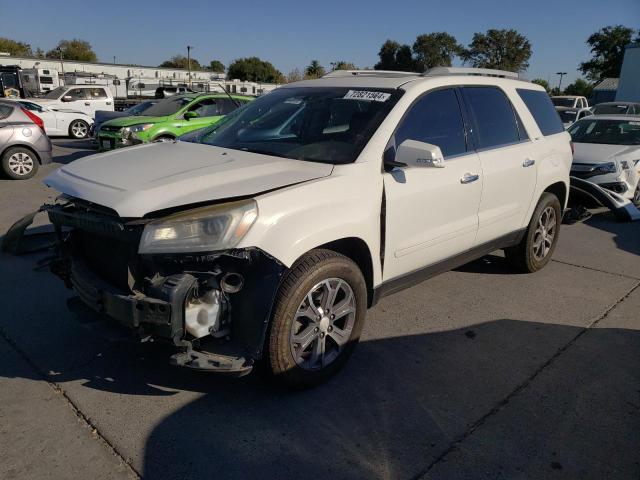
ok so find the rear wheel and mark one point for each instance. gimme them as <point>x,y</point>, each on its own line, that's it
<point>317,320</point>
<point>78,129</point>
<point>19,163</point>
<point>537,246</point>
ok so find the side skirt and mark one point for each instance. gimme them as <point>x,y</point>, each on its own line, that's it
<point>418,276</point>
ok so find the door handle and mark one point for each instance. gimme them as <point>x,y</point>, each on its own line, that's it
<point>469,178</point>
<point>528,162</point>
<point>87,103</point>
<point>108,103</point>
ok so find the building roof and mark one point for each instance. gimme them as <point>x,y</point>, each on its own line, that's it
<point>607,84</point>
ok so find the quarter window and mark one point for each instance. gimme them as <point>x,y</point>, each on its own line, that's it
<point>5,111</point>
<point>436,119</point>
<point>495,121</point>
<point>542,110</point>
<point>98,93</point>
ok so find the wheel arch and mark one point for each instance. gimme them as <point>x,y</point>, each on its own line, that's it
<point>358,251</point>
<point>560,190</point>
<point>22,145</point>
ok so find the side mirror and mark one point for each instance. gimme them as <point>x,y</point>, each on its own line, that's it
<point>190,115</point>
<point>67,98</point>
<point>412,154</point>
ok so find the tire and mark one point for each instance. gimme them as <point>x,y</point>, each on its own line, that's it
<point>19,163</point>
<point>299,364</point>
<point>537,247</point>
<point>78,129</point>
<point>636,195</point>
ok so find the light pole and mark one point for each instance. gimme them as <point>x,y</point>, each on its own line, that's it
<point>61,63</point>
<point>562,74</point>
<point>189,47</point>
<point>114,59</point>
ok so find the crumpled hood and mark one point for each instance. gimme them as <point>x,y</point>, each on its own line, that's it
<point>138,180</point>
<point>595,153</point>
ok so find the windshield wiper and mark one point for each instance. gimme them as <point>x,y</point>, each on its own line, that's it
<point>263,152</point>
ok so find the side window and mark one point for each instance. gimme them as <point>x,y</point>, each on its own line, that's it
<point>435,118</point>
<point>96,93</point>
<point>76,93</point>
<point>493,115</point>
<point>542,110</point>
<point>205,108</point>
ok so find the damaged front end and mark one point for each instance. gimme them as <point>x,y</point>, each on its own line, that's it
<point>213,306</point>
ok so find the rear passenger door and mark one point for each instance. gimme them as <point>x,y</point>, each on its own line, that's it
<point>509,163</point>
<point>431,213</point>
<point>98,99</point>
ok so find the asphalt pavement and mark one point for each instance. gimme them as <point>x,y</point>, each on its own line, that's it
<point>478,373</point>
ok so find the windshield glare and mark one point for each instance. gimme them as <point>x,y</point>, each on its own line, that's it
<point>329,125</point>
<point>168,106</point>
<point>610,109</point>
<point>568,116</point>
<point>55,93</point>
<point>563,102</point>
<point>138,109</point>
<point>611,132</point>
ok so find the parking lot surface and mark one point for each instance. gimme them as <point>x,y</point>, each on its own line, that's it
<point>477,373</point>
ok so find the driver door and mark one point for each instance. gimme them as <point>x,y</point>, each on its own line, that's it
<point>207,111</point>
<point>431,213</point>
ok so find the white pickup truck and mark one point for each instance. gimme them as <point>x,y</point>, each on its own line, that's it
<point>81,98</point>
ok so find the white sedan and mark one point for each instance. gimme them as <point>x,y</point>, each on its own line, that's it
<point>60,122</point>
<point>607,153</point>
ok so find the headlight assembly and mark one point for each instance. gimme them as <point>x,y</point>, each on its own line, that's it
<point>217,227</point>
<point>133,129</point>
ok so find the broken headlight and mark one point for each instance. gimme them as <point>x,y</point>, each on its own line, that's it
<point>217,227</point>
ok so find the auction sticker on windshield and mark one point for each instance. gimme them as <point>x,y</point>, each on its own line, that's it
<point>367,95</point>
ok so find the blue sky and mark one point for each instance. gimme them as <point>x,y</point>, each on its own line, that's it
<point>291,33</point>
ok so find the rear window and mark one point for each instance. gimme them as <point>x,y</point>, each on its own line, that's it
<point>5,111</point>
<point>540,106</point>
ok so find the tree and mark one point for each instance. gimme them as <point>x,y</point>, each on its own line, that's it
<point>579,87</point>
<point>180,61</point>
<point>255,70</point>
<point>73,50</point>
<point>39,53</point>
<point>543,83</point>
<point>342,65</point>
<point>394,56</point>
<point>499,49</point>
<point>294,75</point>
<point>15,48</point>
<point>607,46</point>
<point>435,50</point>
<point>216,66</point>
<point>314,70</point>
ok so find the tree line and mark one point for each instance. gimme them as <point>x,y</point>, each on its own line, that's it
<point>504,49</point>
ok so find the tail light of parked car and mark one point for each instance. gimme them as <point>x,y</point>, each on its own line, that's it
<point>34,118</point>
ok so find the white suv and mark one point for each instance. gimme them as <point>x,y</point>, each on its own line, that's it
<point>80,98</point>
<point>268,235</point>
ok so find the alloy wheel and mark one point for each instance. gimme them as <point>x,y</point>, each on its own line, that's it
<point>323,323</point>
<point>79,129</point>
<point>544,234</point>
<point>21,163</point>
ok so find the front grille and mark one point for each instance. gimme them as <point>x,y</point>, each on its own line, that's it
<point>107,258</point>
<point>110,129</point>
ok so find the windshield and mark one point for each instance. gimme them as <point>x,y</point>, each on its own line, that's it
<point>610,109</point>
<point>138,109</point>
<point>568,116</point>
<point>611,132</point>
<point>329,125</point>
<point>55,93</point>
<point>563,102</point>
<point>168,106</point>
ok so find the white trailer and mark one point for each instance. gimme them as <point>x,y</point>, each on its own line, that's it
<point>39,81</point>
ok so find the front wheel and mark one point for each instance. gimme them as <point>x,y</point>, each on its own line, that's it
<point>164,138</point>
<point>537,246</point>
<point>317,319</point>
<point>636,195</point>
<point>78,129</point>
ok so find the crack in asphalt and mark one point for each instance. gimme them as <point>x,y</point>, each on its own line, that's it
<point>93,428</point>
<point>453,446</point>
<point>623,275</point>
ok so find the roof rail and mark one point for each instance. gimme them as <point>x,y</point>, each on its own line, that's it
<point>369,73</point>
<point>485,72</point>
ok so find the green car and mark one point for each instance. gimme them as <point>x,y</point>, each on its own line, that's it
<point>168,119</point>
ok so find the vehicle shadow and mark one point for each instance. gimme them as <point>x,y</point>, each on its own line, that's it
<point>75,144</point>
<point>70,157</point>
<point>398,405</point>
<point>627,234</point>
